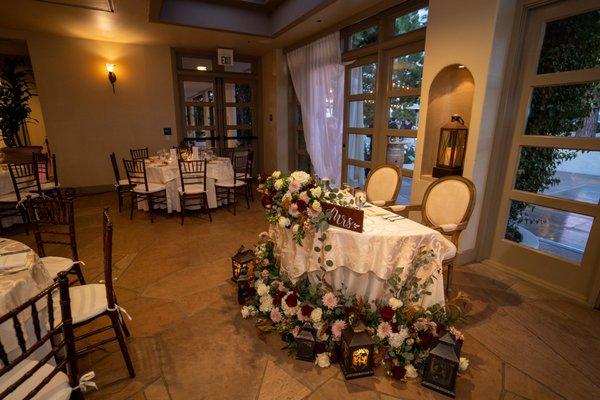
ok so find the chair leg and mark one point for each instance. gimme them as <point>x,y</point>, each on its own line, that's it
<point>133,202</point>
<point>205,200</point>
<point>79,273</point>
<point>182,201</point>
<point>247,194</point>
<point>449,278</point>
<point>120,198</point>
<point>114,317</point>
<point>150,207</point>
<point>233,192</point>
<point>25,218</point>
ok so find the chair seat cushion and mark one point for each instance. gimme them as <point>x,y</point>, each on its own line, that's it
<point>378,203</point>
<point>54,265</point>
<point>49,185</point>
<point>57,389</point>
<point>397,207</point>
<point>192,189</point>
<point>87,301</point>
<point>451,254</point>
<point>124,182</point>
<point>230,183</point>
<point>152,188</point>
<point>12,197</point>
<point>448,227</point>
<point>241,175</point>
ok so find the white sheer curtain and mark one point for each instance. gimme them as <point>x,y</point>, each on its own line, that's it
<point>318,78</point>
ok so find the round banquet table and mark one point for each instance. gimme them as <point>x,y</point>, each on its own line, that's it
<point>217,169</point>
<point>6,187</point>
<point>363,262</point>
<point>19,282</point>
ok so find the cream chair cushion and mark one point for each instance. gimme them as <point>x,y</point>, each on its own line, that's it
<point>382,185</point>
<point>447,203</point>
<point>54,265</point>
<point>57,389</point>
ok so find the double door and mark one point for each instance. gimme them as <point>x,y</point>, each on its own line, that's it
<point>219,113</point>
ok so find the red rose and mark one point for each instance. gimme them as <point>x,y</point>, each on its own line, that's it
<point>266,201</point>
<point>306,310</point>
<point>277,298</point>
<point>398,372</point>
<point>425,338</point>
<point>291,300</point>
<point>302,206</point>
<point>262,178</point>
<point>387,313</point>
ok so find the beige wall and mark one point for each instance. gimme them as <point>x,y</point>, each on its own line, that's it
<point>84,120</point>
<point>476,34</point>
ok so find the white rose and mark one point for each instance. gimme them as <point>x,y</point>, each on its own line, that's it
<point>322,360</point>
<point>295,228</point>
<point>266,303</point>
<point>283,222</point>
<point>262,289</point>
<point>248,311</point>
<point>463,364</point>
<point>316,192</point>
<point>316,206</point>
<point>411,371</point>
<point>397,339</point>
<point>278,184</point>
<point>276,174</point>
<point>395,303</point>
<point>316,315</point>
<point>301,176</point>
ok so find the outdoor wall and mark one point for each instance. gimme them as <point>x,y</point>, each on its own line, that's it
<point>84,120</point>
<point>473,33</point>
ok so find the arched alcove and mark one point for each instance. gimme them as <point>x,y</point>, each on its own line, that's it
<point>451,92</point>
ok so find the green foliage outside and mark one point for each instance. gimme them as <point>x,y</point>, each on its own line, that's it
<point>15,93</point>
<point>569,44</point>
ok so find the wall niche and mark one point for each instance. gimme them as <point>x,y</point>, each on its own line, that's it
<point>451,92</point>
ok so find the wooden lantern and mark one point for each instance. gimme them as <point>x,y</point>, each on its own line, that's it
<point>442,366</point>
<point>356,359</point>
<point>243,259</point>
<point>451,148</point>
<point>244,287</point>
<point>306,343</point>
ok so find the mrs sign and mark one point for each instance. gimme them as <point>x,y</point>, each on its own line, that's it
<point>345,217</point>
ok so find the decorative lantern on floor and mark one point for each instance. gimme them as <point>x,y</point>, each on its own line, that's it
<point>244,287</point>
<point>442,366</point>
<point>242,259</point>
<point>451,149</point>
<point>306,343</point>
<point>356,359</point>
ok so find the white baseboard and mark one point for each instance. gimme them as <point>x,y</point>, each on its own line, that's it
<point>578,297</point>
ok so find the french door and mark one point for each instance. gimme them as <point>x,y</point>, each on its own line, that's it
<point>219,112</point>
<point>548,227</point>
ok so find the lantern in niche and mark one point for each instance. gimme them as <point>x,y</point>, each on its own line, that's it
<point>356,358</point>
<point>306,343</point>
<point>243,259</point>
<point>441,367</point>
<point>451,148</point>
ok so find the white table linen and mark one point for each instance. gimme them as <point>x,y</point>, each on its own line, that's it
<point>16,287</point>
<point>363,262</point>
<point>168,175</point>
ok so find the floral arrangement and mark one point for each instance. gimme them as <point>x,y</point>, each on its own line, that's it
<point>403,331</point>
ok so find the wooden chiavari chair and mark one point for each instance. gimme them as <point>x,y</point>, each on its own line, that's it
<point>243,170</point>
<point>227,190</point>
<point>193,185</point>
<point>48,182</point>
<point>137,154</point>
<point>25,182</point>
<point>96,300</point>
<point>121,185</point>
<point>28,376</point>
<point>228,152</point>
<point>53,221</point>
<point>142,190</point>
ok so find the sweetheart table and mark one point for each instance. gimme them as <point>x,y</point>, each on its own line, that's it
<point>363,262</point>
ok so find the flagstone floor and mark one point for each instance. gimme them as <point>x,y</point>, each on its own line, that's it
<point>190,342</point>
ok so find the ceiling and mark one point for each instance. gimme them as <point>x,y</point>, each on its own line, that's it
<point>130,22</point>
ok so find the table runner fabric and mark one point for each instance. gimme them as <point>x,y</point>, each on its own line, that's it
<point>168,175</point>
<point>364,261</point>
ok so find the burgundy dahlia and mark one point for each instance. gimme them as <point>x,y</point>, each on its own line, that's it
<point>266,201</point>
<point>387,313</point>
<point>425,338</point>
<point>291,300</point>
<point>306,310</point>
<point>302,206</point>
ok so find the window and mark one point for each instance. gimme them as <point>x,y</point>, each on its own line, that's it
<point>411,21</point>
<point>363,38</point>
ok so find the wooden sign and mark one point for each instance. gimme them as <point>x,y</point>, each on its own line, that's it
<point>345,217</point>
<point>225,57</point>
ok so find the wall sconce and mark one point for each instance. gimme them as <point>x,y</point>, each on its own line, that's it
<point>112,77</point>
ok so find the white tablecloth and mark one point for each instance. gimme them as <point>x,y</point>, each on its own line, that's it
<point>364,261</point>
<point>16,287</point>
<point>168,175</point>
<point>6,187</point>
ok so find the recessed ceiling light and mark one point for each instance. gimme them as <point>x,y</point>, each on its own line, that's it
<point>461,66</point>
<point>201,68</point>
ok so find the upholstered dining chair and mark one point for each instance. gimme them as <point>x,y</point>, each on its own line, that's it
<point>47,170</point>
<point>53,221</point>
<point>122,186</point>
<point>227,190</point>
<point>96,300</point>
<point>192,175</point>
<point>447,207</point>
<point>137,154</point>
<point>44,368</point>
<point>142,190</point>
<point>383,185</point>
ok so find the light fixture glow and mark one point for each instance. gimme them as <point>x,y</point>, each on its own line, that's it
<point>112,77</point>
<point>461,66</point>
<point>201,68</point>
<point>110,68</point>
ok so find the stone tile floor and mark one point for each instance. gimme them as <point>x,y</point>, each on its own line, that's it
<point>190,342</point>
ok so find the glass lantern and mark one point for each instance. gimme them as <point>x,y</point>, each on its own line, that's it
<point>243,259</point>
<point>451,148</point>
<point>356,359</point>
<point>244,287</point>
<point>306,344</point>
<point>442,366</point>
